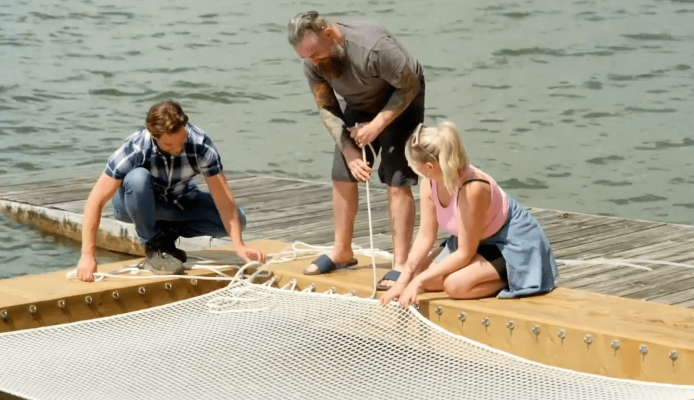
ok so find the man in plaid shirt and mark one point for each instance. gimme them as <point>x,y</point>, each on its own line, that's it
<point>151,178</point>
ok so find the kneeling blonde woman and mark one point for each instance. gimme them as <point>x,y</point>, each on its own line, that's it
<point>496,247</point>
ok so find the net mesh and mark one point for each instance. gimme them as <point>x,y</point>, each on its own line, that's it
<point>252,341</point>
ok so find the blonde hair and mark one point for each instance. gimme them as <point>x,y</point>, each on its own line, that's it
<point>443,145</point>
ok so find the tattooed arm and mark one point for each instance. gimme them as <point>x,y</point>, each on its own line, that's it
<point>408,86</point>
<point>330,113</point>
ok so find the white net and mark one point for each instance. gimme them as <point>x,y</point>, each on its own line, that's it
<point>256,342</point>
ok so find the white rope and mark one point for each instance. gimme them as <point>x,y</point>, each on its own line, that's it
<point>371,229</point>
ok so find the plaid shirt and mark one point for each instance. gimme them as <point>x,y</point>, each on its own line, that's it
<point>172,175</point>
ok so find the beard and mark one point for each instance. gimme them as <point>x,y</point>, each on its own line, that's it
<point>335,64</point>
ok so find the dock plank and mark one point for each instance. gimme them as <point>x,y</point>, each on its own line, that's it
<point>290,210</point>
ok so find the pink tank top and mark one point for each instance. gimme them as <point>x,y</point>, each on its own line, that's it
<point>448,217</point>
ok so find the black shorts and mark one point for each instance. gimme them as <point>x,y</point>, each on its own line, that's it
<point>489,252</point>
<point>393,170</point>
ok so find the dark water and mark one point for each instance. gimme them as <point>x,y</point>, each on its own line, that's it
<point>581,106</point>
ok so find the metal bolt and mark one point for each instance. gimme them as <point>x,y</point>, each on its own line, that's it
<point>167,286</point>
<point>588,339</point>
<point>561,334</point>
<point>673,355</point>
<point>510,325</point>
<point>32,309</point>
<point>615,344</point>
<point>88,300</point>
<point>536,329</point>
<point>462,317</point>
<point>643,349</point>
<point>485,321</point>
<point>194,282</point>
<point>115,295</point>
<point>331,290</point>
<point>61,303</point>
<point>438,310</point>
<point>142,290</point>
<point>3,315</point>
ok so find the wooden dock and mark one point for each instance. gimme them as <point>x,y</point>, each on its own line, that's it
<point>295,210</point>
<point>595,322</point>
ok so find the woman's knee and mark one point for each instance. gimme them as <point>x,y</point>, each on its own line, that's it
<point>455,288</point>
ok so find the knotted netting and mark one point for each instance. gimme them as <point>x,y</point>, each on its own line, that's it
<point>251,341</point>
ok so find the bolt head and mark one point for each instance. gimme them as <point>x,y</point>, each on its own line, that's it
<point>561,334</point>
<point>4,315</point>
<point>61,303</point>
<point>536,329</point>
<point>673,355</point>
<point>643,349</point>
<point>462,317</point>
<point>438,310</point>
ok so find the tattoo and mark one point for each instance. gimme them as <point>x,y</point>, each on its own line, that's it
<point>330,113</point>
<point>408,87</point>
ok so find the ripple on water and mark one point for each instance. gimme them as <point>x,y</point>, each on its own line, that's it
<point>119,93</point>
<point>600,114</point>
<point>26,166</point>
<point>640,110</point>
<point>493,87</point>
<point>646,198</point>
<point>661,144</point>
<point>651,36</point>
<point>605,160</point>
<point>529,183</point>
<point>282,121</point>
<point>605,182</point>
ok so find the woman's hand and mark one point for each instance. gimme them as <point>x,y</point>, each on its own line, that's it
<point>392,294</point>
<point>409,295</point>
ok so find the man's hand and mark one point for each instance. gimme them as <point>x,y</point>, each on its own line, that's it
<point>359,168</point>
<point>251,254</point>
<point>86,268</point>
<point>366,133</point>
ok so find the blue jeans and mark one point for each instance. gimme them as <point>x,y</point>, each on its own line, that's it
<point>135,202</point>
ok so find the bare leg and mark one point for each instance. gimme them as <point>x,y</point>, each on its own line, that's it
<point>477,280</point>
<point>402,216</point>
<point>345,205</point>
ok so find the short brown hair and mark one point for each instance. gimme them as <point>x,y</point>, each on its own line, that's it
<point>165,117</point>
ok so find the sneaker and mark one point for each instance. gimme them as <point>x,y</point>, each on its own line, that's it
<point>170,247</point>
<point>160,262</point>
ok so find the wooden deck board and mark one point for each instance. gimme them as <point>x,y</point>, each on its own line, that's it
<point>296,210</point>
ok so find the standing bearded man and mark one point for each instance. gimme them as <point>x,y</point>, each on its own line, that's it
<point>383,88</point>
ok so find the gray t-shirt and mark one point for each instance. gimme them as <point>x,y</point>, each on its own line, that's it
<point>374,60</point>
